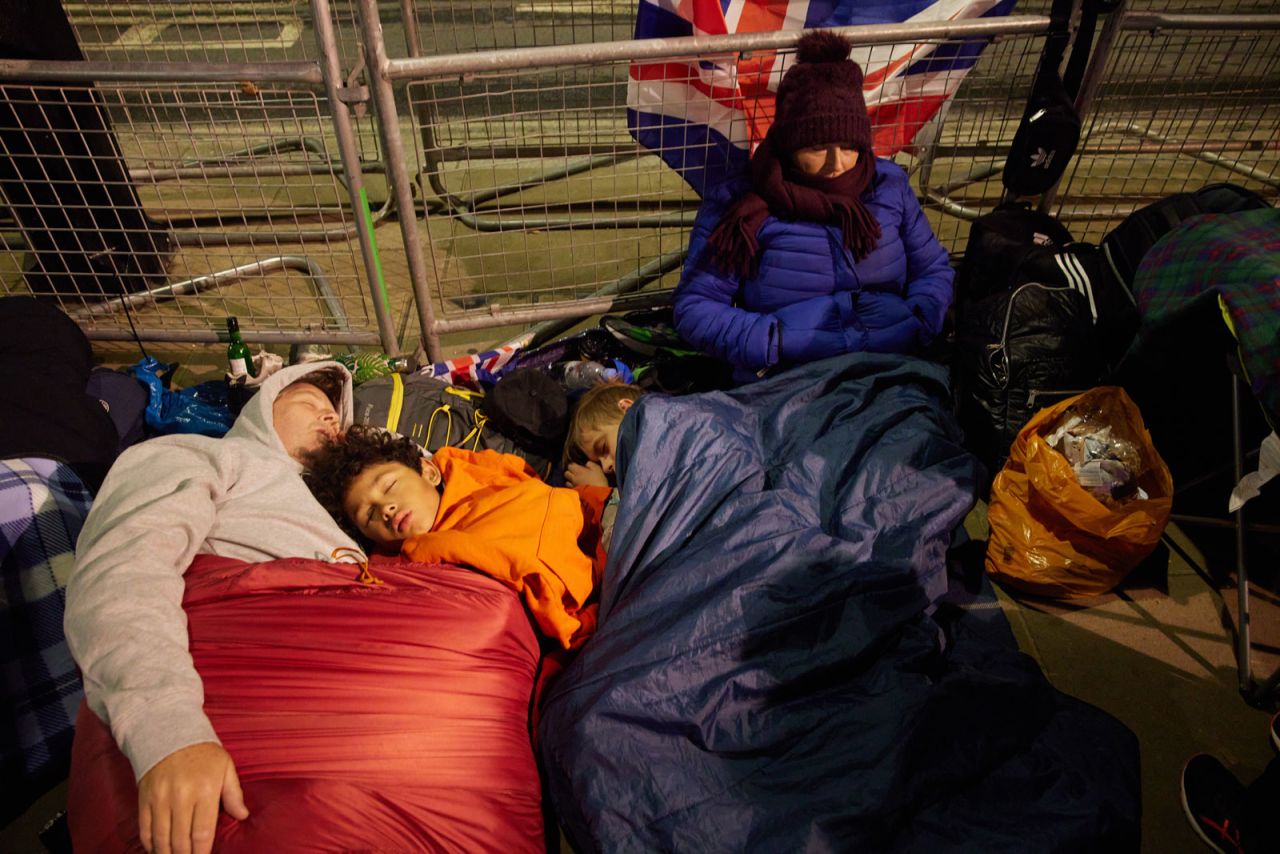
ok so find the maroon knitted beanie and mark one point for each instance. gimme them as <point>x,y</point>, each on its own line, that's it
<point>820,101</point>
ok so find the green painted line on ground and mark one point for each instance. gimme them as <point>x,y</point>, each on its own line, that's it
<point>373,245</point>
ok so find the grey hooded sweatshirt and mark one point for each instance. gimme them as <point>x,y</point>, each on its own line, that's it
<point>164,502</point>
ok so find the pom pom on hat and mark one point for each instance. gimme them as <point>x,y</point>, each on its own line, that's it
<point>820,101</point>
<point>823,46</point>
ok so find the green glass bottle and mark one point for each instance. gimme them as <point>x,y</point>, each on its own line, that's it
<point>238,352</point>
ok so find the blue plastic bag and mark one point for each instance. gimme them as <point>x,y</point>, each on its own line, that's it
<point>200,409</point>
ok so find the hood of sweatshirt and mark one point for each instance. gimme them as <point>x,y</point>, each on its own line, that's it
<point>256,423</point>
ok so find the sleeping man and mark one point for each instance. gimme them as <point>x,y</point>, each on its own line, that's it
<point>164,502</point>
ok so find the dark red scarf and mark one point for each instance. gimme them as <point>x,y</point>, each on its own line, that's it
<point>791,195</point>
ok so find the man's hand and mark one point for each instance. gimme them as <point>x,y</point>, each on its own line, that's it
<point>178,799</point>
<point>585,475</point>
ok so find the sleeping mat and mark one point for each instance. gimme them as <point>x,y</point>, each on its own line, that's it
<point>768,673</point>
<point>361,717</point>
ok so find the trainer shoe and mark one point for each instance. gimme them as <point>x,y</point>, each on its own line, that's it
<point>1214,802</point>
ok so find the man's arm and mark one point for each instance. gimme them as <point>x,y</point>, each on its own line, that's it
<point>127,630</point>
<point>124,619</point>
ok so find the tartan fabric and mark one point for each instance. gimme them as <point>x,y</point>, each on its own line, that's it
<point>1237,257</point>
<point>42,506</point>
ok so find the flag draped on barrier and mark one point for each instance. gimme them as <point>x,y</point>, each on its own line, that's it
<point>704,117</point>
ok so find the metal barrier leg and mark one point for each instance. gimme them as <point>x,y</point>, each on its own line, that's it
<point>1244,669</point>
<point>1255,695</point>
<point>388,121</point>
<point>1264,695</point>
<point>353,174</point>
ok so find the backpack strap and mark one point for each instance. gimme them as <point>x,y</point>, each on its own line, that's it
<point>397,402</point>
<point>464,393</point>
<point>448,420</point>
<point>1058,37</point>
<point>474,435</point>
<point>1089,12</point>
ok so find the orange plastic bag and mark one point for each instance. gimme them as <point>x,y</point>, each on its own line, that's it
<point>1052,536</point>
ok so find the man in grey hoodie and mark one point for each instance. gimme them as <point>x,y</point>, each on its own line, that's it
<point>164,502</point>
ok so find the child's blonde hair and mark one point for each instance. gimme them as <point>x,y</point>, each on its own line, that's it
<point>597,406</point>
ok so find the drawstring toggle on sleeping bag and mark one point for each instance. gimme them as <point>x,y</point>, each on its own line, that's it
<point>365,577</point>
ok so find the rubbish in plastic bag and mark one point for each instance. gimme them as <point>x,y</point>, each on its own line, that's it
<point>199,409</point>
<point>265,363</point>
<point>1106,465</point>
<point>1082,500</point>
<point>1250,486</point>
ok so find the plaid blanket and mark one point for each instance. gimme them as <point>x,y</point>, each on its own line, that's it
<point>1237,257</point>
<point>42,506</point>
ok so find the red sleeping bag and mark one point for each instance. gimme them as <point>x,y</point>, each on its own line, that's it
<point>382,717</point>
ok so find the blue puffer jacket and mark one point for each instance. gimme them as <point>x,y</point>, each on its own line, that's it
<point>809,300</point>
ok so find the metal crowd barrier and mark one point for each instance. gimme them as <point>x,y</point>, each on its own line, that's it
<point>337,172</point>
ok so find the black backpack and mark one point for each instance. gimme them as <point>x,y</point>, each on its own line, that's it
<point>1014,245</point>
<point>1016,352</point>
<point>45,411</point>
<point>531,409</point>
<point>1002,246</point>
<point>1127,243</point>
<point>436,414</point>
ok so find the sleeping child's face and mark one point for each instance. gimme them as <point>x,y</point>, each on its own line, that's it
<point>599,442</point>
<point>390,502</point>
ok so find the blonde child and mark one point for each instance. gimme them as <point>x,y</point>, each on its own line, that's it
<point>592,445</point>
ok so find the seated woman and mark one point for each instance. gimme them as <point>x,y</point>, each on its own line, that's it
<point>822,248</point>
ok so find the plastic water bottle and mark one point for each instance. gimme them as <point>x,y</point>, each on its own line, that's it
<point>579,375</point>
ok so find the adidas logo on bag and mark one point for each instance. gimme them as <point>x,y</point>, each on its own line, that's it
<point>1042,159</point>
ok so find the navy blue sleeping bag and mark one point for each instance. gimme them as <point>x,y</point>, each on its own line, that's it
<point>768,674</point>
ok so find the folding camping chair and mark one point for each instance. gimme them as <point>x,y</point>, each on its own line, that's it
<point>1265,694</point>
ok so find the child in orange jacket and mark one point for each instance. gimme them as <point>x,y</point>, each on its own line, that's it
<point>486,510</point>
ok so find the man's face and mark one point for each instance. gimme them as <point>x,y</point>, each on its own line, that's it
<point>304,417</point>
<point>390,502</point>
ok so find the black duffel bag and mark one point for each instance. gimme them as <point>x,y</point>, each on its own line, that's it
<point>1017,352</point>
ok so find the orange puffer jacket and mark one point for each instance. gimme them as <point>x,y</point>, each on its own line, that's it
<point>497,516</point>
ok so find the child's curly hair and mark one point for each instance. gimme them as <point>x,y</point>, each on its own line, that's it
<point>330,471</point>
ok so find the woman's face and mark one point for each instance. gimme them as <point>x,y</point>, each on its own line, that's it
<point>825,161</point>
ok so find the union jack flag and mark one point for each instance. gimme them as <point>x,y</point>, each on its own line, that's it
<point>704,118</point>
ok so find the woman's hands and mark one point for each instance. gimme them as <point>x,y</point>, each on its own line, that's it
<point>877,310</point>
<point>846,322</point>
<point>814,328</point>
